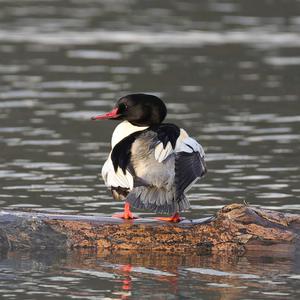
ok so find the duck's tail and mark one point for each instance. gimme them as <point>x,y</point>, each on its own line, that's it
<point>156,199</point>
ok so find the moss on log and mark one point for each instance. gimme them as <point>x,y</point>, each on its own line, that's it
<point>236,228</point>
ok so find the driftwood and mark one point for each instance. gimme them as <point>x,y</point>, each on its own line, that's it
<point>236,228</point>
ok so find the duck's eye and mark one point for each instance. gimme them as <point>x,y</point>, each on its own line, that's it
<point>122,107</point>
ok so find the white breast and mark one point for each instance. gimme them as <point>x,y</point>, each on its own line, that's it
<point>123,130</point>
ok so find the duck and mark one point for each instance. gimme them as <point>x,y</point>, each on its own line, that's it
<point>151,164</point>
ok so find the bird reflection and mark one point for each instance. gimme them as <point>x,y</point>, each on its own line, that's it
<point>127,281</point>
<point>126,275</point>
<point>127,272</point>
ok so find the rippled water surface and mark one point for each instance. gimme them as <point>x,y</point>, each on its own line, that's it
<point>229,72</point>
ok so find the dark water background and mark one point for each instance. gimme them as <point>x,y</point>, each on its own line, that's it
<point>229,72</point>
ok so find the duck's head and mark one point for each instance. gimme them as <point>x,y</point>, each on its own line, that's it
<point>138,109</point>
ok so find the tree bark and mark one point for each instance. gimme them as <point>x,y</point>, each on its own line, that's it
<point>236,228</point>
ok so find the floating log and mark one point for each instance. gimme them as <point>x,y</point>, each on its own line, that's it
<point>236,228</point>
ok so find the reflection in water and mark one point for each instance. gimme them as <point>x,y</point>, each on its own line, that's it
<point>125,275</point>
<point>229,73</point>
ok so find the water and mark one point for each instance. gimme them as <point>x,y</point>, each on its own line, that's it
<point>229,72</point>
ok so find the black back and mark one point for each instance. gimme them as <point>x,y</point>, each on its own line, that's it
<point>121,153</point>
<point>166,133</point>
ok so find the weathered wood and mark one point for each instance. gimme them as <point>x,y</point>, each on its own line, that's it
<point>236,228</point>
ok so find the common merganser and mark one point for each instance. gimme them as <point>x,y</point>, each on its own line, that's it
<point>151,164</point>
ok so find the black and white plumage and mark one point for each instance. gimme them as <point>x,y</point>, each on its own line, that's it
<point>151,164</point>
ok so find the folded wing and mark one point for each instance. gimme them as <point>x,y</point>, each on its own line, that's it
<point>189,162</point>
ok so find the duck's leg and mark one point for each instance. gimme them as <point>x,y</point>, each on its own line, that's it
<point>127,214</point>
<point>175,218</point>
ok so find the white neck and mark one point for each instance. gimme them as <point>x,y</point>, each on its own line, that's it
<point>123,130</point>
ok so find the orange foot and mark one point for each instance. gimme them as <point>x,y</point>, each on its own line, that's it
<point>175,218</point>
<point>127,214</point>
